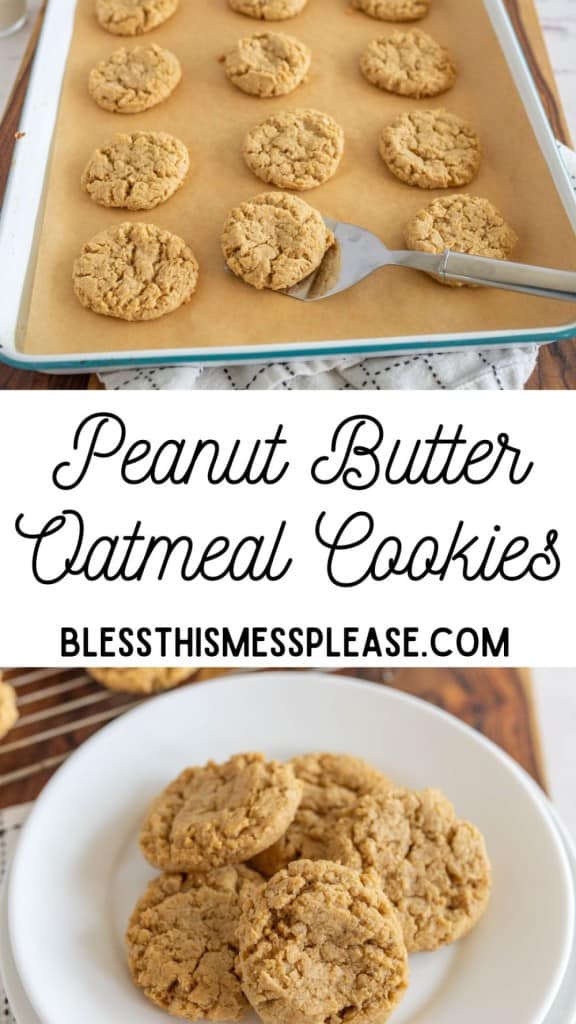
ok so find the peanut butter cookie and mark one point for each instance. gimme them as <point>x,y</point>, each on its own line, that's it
<point>220,813</point>
<point>274,240</point>
<point>268,10</point>
<point>431,149</point>
<point>130,81</point>
<point>140,680</point>
<point>394,10</point>
<point>133,17</point>
<point>136,171</point>
<point>135,272</point>
<point>433,866</point>
<point>268,64</point>
<point>408,64</point>
<point>182,942</point>
<point>297,149</point>
<point>463,223</point>
<point>321,944</point>
<point>8,710</point>
<point>332,783</point>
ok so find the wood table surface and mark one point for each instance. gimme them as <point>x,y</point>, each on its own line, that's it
<point>556,367</point>
<point>59,709</point>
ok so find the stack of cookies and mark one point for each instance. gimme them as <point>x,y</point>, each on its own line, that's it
<point>298,889</point>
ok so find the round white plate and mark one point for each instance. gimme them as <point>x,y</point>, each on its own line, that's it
<point>77,869</point>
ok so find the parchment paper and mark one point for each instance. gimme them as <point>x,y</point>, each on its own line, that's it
<point>212,117</point>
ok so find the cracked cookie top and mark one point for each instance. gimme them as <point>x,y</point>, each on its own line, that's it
<point>296,149</point>
<point>408,64</point>
<point>274,241</point>
<point>431,149</point>
<point>182,942</point>
<point>133,17</point>
<point>136,171</point>
<point>268,64</point>
<point>321,944</point>
<point>220,813</point>
<point>394,10</point>
<point>268,10</point>
<point>130,81</point>
<point>135,272</point>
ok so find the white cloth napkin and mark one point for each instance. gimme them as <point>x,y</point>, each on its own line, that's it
<point>11,821</point>
<point>485,370</point>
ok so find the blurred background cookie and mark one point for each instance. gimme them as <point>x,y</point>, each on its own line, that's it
<point>140,680</point>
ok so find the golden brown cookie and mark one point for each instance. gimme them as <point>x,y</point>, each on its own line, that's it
<point>8,710</point>
<point>133,17</point>
<point>136,171</point>
<point>394,10</point>
<point>182,942</point>
<point>321,944</point>
<point>431,149</point>
<point>140,680</point>
<point>130,81</point>
<point>220,813</point>
<point>296,149</point>
<point>274,240</point>
<point>135,272</point>
<point>408,64</point>
<point>433,866</point>
<point>332,783</point>
<point>268,10</point>
<point>463,223</point>
<point>268,64</point>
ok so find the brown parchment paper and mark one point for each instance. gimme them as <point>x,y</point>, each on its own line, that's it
<point>212,117</point>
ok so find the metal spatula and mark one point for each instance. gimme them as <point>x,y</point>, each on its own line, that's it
<point>358,253</point>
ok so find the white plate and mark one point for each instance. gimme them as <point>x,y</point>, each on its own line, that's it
<point>77,869</point>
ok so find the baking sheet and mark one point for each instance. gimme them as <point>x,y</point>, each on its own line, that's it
<point>211,116</point>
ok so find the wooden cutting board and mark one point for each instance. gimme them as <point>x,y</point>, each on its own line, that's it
<point>59,709</point>
<point>557,363</point>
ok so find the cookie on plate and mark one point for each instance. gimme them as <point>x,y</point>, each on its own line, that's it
<point>268,10</point>
<point>136,171</point>
<point>321,943</point>
<point>135,272</point>
<point>268,64</point>
<point>220,813</point>
<point>140,680</point>
<point>464,223</point>
<point>433,866</point>
<point>274,240</point>
<point>431,149</point>
<point>295,149</point>
<point>332,783</point>
<point>408,64</point>
<point>8,710</point>
<point>133,17</point>
<point>394,10</point>
<point>130,81</point>
<point>182,942</point>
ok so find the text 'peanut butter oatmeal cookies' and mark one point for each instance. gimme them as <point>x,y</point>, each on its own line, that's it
<point>220,813</point>
<point>433,866</point>
<point>431,149</point>
<point>274,241</point>
<point>394,10</point>
<point>297,149</point>
<point>8,710</point>
<point>332,783</point>
<point>268,64</point>
<point>463,223</point>
<point>321,944</point>
<point>268,10</point>
<point>408,64</point>
<point>135,272</point>
<point>133,17</point>
<point>182,942</point>
<point>136,171</point>
<point>140,680</point>
<point>130,81</point>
